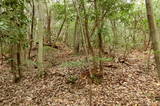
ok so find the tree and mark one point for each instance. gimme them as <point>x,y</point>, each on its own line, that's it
<point>13,29</point>
<point>154,34</point>
<point>32,28</point>
<point>40,39</point>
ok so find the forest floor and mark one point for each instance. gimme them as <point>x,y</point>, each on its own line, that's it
<point>123,84</point>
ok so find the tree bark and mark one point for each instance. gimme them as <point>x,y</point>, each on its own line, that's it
<point>153,34</point>
<point>114,30</point>
<point>76,37</point>
<point>32,29</point>
<point>100,45</point>
<point>40,40</point>
<point>19,59</point>
<point>48,29</point>
<point>13,64</point>
<point>1,52</point>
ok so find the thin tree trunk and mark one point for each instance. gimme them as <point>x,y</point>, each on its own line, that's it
<point>60,30</point>
<point>1,52</point>
<point>114,30</point>
<point>97,22</point>
<point>83,40</point>
<point>49,28</point>
<point>48,37</point>
<point>19,59</point>
<point>82,31</point>
<point>75,36</point>
<point>32,29</point>
<point>66,34</point>
<point>12,64</point>
<point>40,40</point>
<point>65,18</point>
<point>153,34</point>
<point>90,48</point>
<point>99,25</point>
<point>100,43</point>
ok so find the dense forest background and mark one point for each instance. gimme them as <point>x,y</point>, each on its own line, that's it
<point>79,52</point>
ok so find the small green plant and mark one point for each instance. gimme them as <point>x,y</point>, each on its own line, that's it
<point>157,51</point>
<point>48,48</point>
<point>74,64</point>
<point>30,62</point>
<point>103,59</point>
<point>72,79</point>
<point>96,79</point>
<point>41,73</point>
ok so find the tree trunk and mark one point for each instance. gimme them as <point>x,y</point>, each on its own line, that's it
<point>13,64</point>
<point>76,37</point>
<point>65,18</point>
<point>81,28</point>
<point>90,48</point>
<point>19,59</point>
<point>40,40</point>
<point>49,27</point>
<point>65,40</point>
<point>153,34</point>
<point>32,29</point>
<point>114,30</point>
<point>100,42</point>
<point>1,52</point>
